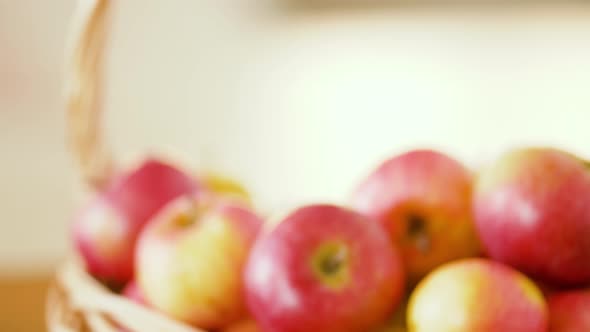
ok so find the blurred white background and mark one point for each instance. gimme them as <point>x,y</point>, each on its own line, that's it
<point>297,105</point>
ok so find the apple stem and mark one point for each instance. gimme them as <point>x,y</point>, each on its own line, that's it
<point>417,231</point>
<point>333,263</point>
<point>416,225</point>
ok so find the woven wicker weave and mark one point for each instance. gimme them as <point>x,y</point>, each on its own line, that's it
<point>76,302</point>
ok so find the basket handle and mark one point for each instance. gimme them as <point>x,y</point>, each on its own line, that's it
<point>83,93</point>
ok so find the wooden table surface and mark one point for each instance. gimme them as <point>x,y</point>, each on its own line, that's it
<point>22,303</point>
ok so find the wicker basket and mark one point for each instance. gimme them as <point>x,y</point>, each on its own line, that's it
<point>77,302</point>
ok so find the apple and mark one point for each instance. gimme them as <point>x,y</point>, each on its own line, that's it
<point>569,311</point>
<point>248,325</point>
<point>133,293</point>
<point>393,327</point>
<point>532,209</point>
<point>476,295</point>
<point>397,322</point>
<point>190,258</point>
<point>423,199</point>
<point>225,187</point>
<point>106,230</point>
<point>323,268</point>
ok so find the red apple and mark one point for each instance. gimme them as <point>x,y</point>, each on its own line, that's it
<point>248,325</point>
<point>323,268</point>
<point>190,258</point>
<point>397,322</point>
<point>569,311</point>
<point>533,212</point>
<point>132,292</point>
<point>423,199</point>
<point>105,232</point>
<point>476,295</point>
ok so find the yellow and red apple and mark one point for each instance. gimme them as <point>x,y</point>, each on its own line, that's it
<point>476,295</point>
<point>105,232</point>
<point>323,268</point>
<point>532,210</point>
<point>224,187</point>
<point>423,199</point>
<point>190,258</point>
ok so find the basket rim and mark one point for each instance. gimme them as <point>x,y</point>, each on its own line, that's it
<point>75,295</point>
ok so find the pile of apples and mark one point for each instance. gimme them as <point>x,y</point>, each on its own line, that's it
<point>425,245</point>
